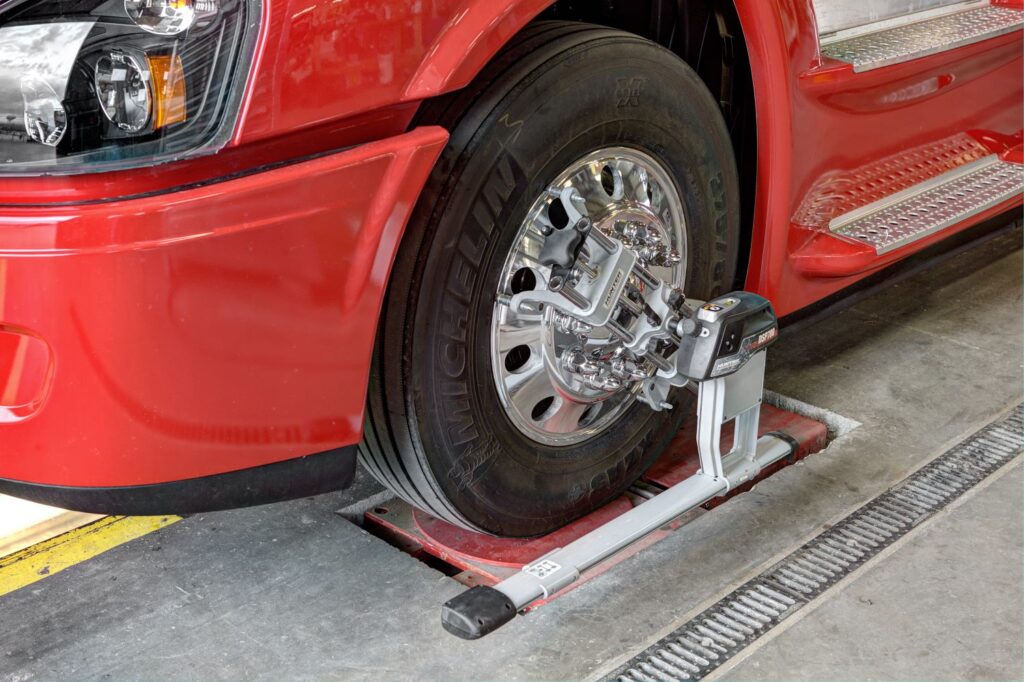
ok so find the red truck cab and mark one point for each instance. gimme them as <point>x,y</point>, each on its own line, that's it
<point>230,230</point>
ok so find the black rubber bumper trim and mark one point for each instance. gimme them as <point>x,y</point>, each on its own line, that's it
<point>301,477</point>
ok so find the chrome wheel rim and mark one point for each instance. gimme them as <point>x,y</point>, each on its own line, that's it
<point>535,356</point>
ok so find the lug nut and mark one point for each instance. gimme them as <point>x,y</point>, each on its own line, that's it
<point>577,362</point>
<point>570,325</point>
<point>605,383</point>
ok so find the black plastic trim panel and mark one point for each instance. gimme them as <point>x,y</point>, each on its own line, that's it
<point>287,480</point>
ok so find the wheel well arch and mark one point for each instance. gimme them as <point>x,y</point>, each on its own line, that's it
<point>706,34</point>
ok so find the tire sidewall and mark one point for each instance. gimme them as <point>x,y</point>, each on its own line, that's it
<point>611,92</point>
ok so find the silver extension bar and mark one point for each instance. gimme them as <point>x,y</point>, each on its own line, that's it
<point>737,396</point>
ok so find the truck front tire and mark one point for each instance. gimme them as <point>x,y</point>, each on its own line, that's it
<point>445,429</point>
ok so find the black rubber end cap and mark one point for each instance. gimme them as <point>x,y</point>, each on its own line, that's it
<point>477,612</point>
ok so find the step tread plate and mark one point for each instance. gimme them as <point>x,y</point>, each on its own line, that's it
<point>920,39</point>
<point>933,206</point>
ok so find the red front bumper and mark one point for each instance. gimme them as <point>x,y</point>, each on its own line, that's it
<point>209,330</point>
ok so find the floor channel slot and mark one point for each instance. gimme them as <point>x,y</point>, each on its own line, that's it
<point>724,629</point>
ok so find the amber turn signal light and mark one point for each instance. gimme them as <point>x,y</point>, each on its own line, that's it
<point>169,90</point>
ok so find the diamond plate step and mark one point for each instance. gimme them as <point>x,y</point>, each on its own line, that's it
<point>929,207</point>
<point>922,38</point>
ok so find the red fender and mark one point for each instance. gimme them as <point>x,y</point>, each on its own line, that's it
<point>468,42</point>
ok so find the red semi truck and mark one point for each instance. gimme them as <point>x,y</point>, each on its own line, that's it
<point>244,242</point>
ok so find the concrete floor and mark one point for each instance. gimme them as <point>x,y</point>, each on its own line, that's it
<point>293,591</point>
<point>944,606</point>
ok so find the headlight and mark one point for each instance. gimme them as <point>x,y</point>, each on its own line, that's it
<point>103,84</point>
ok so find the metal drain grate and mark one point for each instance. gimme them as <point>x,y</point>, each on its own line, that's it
<point>734,622</point>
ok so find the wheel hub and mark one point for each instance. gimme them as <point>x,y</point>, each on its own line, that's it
<point>561,379</point>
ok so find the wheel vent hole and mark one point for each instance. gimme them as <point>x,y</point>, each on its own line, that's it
<point>542,408</point>
<point>589,415</point>
<point>608,180</point>
<point>523,280</point>
<point>557,215</point>
<point>517,358</point>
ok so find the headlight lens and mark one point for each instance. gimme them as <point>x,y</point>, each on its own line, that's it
<point>105,84</point>
<point>163,17</point>
<point>125,91</point>
<point>45,118</point>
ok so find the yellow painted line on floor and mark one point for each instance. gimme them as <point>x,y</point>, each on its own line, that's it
<point>53,556</point>
<point>46,524</point>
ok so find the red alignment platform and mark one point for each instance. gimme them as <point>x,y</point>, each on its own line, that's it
<point>477,559</point>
